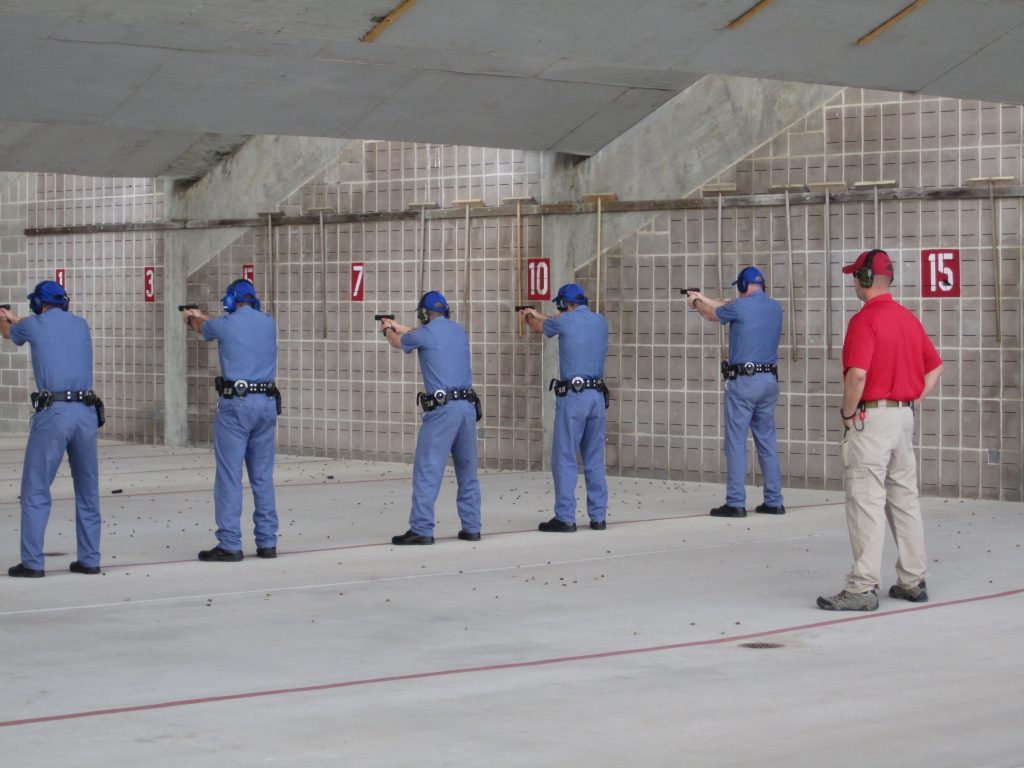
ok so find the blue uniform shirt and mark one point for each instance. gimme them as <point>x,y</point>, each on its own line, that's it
<point>755,330</point>
<point>444,354</point>
<point>247,344</point>
<point>61,350</point>
<point>582,342</point>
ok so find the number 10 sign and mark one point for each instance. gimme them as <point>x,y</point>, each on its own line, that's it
<point>940,272</point>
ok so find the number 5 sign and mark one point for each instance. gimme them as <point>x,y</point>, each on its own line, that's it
<point>358,285</point>
<point>538,279</point>
<point>940,273</point>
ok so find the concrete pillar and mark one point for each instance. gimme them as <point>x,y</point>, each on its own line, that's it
<point>175,349</point>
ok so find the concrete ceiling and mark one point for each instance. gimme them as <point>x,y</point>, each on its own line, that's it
<point>168,87</point>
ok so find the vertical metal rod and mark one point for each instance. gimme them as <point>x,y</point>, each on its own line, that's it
<point>828,275</point>
<point>519,263</point>
<point>997,271</point>
<point>323,272</point>
<point>597,262</point>
<point>467,301</point>
<point>721,280</point>
<point>792,288</point>
<point>421,255</point>
<point>271,277</point>
<point>878,222</point>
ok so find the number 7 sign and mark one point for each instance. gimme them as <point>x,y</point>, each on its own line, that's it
<point>940,273</point>
<point>358,285</point>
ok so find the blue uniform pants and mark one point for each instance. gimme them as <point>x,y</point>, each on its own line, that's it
<point>449,429</point>
<point>579,427</point>
<point>244,432</point>
<point>750,404</point>
<point>69,427</point>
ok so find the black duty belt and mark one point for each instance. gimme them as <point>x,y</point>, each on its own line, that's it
<point>748,369</point>
<point>43,400</point>
<point>429,402</point>
<point>242,388</point>
<point>577,384</point>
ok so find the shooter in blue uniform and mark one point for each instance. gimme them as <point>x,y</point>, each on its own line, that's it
<point>751,389</point>
<point>67,415</point>
<point>581,400</point>
<point>244,429</point>
<point>451,410</point>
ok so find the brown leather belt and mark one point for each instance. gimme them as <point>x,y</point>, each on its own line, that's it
<point>887,403</point>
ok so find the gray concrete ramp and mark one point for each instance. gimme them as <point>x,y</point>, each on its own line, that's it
<point>615,648</point>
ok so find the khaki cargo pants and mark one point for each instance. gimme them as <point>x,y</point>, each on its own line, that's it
<point>880,475</point>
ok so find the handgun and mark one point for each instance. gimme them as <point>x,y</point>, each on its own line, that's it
<point>378,318</point>
<point>183,307</point>
<point>685,291</point>
<point>521,307</point>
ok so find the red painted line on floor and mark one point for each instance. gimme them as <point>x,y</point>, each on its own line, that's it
<point>499,667</point>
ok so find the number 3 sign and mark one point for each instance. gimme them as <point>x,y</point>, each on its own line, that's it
<point>940,273</point>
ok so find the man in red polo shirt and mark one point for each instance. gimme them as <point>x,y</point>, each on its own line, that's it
<point>889,364</point>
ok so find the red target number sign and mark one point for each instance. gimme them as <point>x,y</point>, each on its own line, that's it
<point>58,277</point>
<point>249,273</point>
<point>538,279</point>
<point>148,286</point>
<point>940,273</point>
<point>358,284</point>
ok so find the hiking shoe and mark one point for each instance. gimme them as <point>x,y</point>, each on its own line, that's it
<point>850,601</point>
<point>916,594</point>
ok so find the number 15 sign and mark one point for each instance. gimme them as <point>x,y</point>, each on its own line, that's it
<point>940,273</point>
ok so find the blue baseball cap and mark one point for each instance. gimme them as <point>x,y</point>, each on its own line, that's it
<point>433,301</point>
<point>571,293</point>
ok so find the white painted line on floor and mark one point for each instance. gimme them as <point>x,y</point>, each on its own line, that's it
<point>408,577</point>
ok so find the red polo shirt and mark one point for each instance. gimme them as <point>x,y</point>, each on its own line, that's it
<point>887,341</point>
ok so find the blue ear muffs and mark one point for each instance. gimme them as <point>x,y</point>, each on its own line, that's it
<point>238,292</point>
<point>48,292</point>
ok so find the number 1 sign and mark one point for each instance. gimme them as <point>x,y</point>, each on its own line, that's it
<point>940,273</point>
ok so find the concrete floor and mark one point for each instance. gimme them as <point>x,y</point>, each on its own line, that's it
<point>615,648</point>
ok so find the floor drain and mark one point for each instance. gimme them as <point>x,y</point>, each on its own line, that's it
<point>760,646</point>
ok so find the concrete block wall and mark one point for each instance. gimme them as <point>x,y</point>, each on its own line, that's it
<point>351,395</point>
<point>104,278</point>
<point>666,420</point>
